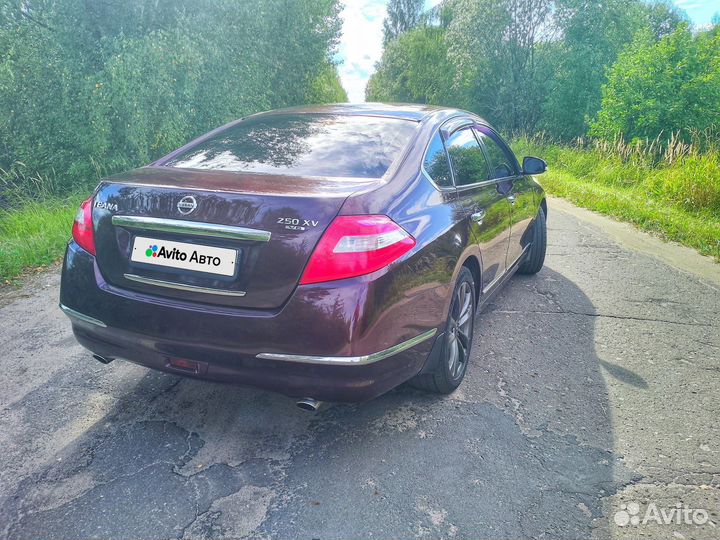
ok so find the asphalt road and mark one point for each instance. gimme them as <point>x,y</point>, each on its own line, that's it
<point>594,384</point>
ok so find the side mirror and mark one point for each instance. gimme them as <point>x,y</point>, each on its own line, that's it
<point>533,165</point>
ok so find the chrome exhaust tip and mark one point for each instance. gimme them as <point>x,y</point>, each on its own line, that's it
<point>102,359</point>
<point>308,404</point>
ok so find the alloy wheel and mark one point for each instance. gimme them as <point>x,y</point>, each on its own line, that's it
<point>460,332</point>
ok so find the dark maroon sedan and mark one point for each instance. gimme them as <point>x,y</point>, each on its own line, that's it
<point>327,253</point>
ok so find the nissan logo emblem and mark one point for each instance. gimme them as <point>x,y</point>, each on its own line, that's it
<point>187,205</point>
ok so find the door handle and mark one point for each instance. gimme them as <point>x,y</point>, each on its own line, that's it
<point>478,217</point>
<point>511,198</point>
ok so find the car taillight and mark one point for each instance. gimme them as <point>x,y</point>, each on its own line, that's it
<point>356,245</point>
<point>82,230</point>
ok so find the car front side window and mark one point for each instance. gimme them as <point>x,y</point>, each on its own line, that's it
<point>468,160</point>
<point>501,163</point>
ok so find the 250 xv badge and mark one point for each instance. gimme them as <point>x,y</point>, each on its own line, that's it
<point>297,224</point>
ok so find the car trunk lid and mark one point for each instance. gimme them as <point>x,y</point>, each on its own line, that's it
<point>262,229</point>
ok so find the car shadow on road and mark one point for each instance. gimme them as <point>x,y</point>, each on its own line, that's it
<point>523,449</point>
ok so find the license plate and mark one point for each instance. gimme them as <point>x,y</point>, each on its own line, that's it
<point>212,260</point>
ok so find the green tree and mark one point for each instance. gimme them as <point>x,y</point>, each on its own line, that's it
<point>662,86</point>
<point>414,68</point>
<point>663,17</point>
<point>495,48</point>
<point>524,65</point>
<point>402,15</point>
<point>593,33</point>
<point>326,87</point>
<point>93,87</point>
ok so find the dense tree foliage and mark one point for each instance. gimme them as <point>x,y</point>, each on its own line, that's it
<point>591,35</point>
<point>91,87</point>
<point>540,65</point>
<point>402,15</point>
<point>665,85</point>
<point>415,69</point>
<point>494,44</point>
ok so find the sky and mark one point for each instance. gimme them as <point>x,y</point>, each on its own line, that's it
<point>361,43</point>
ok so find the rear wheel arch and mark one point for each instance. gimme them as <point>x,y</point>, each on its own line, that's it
<point>447,362</point>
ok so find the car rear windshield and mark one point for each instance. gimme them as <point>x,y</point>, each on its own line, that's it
<point>303,145</point>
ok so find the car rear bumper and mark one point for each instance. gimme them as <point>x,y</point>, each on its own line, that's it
<point>308,348</point>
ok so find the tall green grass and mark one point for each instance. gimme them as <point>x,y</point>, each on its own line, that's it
<point>34,235</point>
<point>668,187</point>
<point>35,221</point>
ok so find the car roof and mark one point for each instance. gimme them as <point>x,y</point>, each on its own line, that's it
<point>405,111</point>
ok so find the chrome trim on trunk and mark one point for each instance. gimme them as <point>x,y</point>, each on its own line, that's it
<point>194,228</point>
<point>81,316</point>
<point>182,286</point>
<point>351,360</point>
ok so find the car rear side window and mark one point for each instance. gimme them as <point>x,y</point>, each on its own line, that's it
<point>303,145</point>
<point>436,163</point>
<point>501,164</point>
<point>468,160</point>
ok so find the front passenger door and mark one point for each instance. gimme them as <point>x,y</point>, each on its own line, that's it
<point>485,206</point>
<point>518,190</point>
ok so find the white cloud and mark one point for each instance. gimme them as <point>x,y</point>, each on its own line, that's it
<point>361,43</point>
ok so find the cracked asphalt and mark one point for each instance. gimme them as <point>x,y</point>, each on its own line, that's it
<point>594,385</point>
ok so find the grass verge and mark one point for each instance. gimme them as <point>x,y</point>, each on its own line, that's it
<point>678,201</point>
<point>698,231</point>
<point>34,234</point>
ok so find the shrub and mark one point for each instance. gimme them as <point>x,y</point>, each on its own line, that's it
<point>665,86</point>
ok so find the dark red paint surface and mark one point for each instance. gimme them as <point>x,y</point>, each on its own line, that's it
<point>349,317</point>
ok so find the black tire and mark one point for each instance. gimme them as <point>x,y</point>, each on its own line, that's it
<point>457,340</point>
<point>536,257</point>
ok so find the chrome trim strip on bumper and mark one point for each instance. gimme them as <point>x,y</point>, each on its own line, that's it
<point>82,317</point>
<point>350,360</point>
<point>194,228</point>
<point>182,286</point>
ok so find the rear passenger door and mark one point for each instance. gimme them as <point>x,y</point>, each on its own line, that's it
<point>517,188</point>
<point>485,206</point>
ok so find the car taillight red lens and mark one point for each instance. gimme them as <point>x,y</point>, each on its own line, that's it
<point>355,246</point>
<point>82,230</point>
